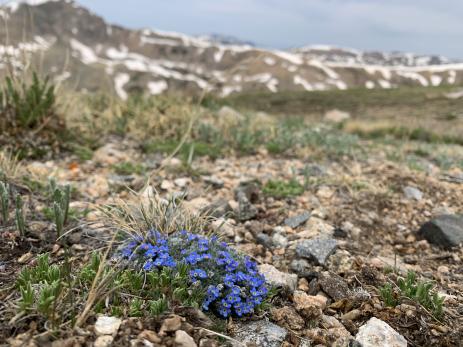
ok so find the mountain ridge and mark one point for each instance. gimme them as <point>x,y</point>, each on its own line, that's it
<point>80,48</point>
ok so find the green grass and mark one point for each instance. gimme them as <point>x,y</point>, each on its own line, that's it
<point>283,189</point>
<point>129,168</point>
<point>418,291</point>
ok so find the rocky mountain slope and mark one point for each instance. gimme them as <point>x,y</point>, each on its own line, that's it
<point>79,48</point>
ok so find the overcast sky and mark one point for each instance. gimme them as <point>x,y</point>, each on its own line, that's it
<point>422,26</point>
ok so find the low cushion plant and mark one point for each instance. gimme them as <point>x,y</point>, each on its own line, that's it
<point>230,281</point>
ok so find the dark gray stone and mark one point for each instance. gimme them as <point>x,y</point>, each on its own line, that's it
<point>333,285</point>
<point>264,240</point>
<point>297,220</point>
<point>445,231</point>
<point>218,208</point>
<point>260,334</point>
<point>246,210</point>
<point>318,249</point>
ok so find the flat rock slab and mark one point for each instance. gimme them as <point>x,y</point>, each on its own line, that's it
<point>261,334</point>
<point>445,231</point>
<point>318,249</point>
<point>297,220</point>
<point>378,333</point>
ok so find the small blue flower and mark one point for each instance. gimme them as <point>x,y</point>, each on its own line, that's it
<point>198,273</point>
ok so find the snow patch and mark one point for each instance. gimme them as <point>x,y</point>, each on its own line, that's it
<point>414,76</point>
<point>87,55</point>
<point>292,58</point>
<point>269,61</point>
<point>119,82</point>
<point>436,80</point>
<point>328,71</point>
<point>369,84</point>
<point>299,80</point>
<point>384,84</point>
<point>157,87</point>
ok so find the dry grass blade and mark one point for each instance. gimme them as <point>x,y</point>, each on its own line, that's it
<point>148,211</point>
<point>10,166</point>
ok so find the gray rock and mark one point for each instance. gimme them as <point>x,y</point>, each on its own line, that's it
<point>318,249</point>
<point>297,220</point>
<point>445,231</point>
<point>278,279</point>
<point>261,334</point>
<point>279,240</point>
<point>334,286</point>
<point>378,333</point>
<point>246,210</point>
<point>213,181</point>
<point>264,240</point>
<point>413,193</point>
<point>218,208</point>
<point>299,266</point>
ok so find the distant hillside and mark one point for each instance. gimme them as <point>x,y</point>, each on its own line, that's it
<point>79,48</point>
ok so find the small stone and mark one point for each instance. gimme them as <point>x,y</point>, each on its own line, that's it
<point>213,181</point>
<point>167,185</point>
<point>149,335</point>
<point>288,317</point>
<point>297,220</point>
<point>318,249</point>
<point>107,325</point>
<point>336,116</point>
<point>182,339</point>
<point>109,154</point>
<point>103,341</point>
<point>279,240</point>
<point>246,210</point>
<point>218,208</point>
<point>182,182</point>
<point>299,265</point>
<point>351,315</point>
<point>378,333</point>
<point>25,258</point>
<point>279,279</point>
<point>260,334</point>
<point>170,324</point>
<point>445,231</point>
<point>310,306</point>
<point>264,240</point>
<point>413,193</point>
<point>333,285</point>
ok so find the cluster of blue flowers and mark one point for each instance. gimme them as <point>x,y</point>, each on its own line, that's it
<point>231,281</point>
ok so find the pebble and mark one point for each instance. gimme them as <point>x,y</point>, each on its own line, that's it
<point>297,220</point>
<point>103,341</point>
<point>310,306</point>
<point>318,249</point>
<point>260,333</point>
<point>182,339</point>
<point>279,279</point>
<point>333,285</point>
<point>378,333</point>
<point>106,325</point>
<point>445,231</point>
<point>413,193</point>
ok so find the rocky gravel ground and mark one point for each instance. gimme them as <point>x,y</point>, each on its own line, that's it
<point>357,225</point>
